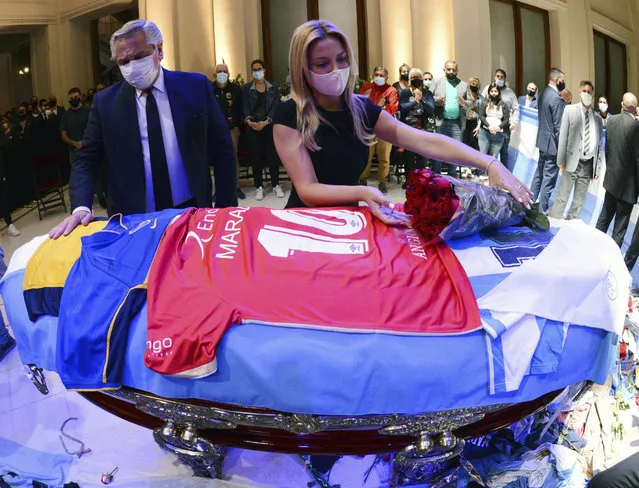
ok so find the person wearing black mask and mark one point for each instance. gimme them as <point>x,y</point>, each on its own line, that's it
<point>403,83</point>
<point>21,122</point>
<point>74,122</point>
<point>494,117</point>
<point>473,99</point>
<point>551,110</point>
<point>530,98</point>
<point>450,101</point>
<point>415,105</point>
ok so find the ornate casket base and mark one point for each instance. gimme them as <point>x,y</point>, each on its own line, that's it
<point>429,446</point>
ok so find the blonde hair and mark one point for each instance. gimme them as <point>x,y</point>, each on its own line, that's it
<point>308,116</point>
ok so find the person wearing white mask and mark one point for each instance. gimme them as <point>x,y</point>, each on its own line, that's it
<point>602,106</point>
<point>158,132</point>
<point>261,99</point>
<point>379,92</point>
<point>579,152</point>
<point>323,133</point>
<point>431,120</point>
<point>229,98</point>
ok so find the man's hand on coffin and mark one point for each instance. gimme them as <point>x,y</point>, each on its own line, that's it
<point>67,225</point>
<point>383,208</point>
<point>499,176</point>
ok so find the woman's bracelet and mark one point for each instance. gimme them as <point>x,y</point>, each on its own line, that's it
<point>490,164</point>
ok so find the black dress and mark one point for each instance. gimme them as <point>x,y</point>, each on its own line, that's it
<point>342,156</point>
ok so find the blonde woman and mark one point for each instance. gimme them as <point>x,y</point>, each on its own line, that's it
<point>323,133</point>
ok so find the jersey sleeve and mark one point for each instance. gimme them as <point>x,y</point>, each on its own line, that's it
<point>286,114</point>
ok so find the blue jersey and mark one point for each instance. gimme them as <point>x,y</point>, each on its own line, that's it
<point>104,290</point>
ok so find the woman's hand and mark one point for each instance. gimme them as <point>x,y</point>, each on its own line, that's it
<point>499,176</point>
<point>382,208</point>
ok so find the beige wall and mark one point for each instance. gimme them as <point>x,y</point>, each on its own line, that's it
<point>425,33</point>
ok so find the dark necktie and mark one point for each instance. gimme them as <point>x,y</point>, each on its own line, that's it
<point>587,134</point>
<point>159,166</point>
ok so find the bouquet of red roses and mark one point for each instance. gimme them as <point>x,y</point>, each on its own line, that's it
<point>451,208</point>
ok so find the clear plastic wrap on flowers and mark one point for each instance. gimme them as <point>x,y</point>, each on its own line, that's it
<point>451,208</point>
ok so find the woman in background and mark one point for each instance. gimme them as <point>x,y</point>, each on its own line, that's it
<point>261,99</point>
<point>494,117</point>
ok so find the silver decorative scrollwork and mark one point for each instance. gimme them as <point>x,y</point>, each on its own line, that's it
<point>205,458</point>
<point>218,418</point>
<point>428,459</point>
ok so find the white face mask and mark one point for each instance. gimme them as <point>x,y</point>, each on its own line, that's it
<point>500,83</point>
<point>586,98</point>
<point>141,73</point>
<point>258,75</point>
<point>428,83</point>
<point>379,81</point>
<point>222,78</point>
<point>331,84</point>
<point>603,107</point>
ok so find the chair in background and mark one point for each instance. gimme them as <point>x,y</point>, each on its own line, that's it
<point>47,183</point>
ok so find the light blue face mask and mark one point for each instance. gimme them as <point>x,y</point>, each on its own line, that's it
<point>379,80</point>
<point>258,75</point>
<point>500,83</point>
<point>222,78</point>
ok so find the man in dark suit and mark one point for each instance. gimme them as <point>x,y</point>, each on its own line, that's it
<point>551,109</point>
<point>622,175</point>
<point>159,132</point>
<point>529,100</point>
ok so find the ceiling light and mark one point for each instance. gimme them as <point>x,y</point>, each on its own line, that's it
<point>26,70</point>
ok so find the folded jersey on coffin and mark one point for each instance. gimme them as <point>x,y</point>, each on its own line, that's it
<point>104,291</point>
<point>48,269</point>
<point>307,268</point>
<point>219,267</point>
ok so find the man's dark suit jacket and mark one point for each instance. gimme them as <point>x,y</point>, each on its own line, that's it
<point>550,108</point>
<point>522,101</point>
<point>113,135</point>
<point>622,158</point>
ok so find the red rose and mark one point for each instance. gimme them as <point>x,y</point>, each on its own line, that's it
<point>443,185</point>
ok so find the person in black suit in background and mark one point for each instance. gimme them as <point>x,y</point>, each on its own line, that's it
<point>551,110</point>
<point>622,175</point>
<point>159,132</point>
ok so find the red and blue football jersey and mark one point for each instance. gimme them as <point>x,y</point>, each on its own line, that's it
<point>338,269</point>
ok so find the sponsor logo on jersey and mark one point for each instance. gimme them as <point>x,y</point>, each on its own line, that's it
<point>160,347</point>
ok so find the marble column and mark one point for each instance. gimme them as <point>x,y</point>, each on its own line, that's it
<point>396,35</point>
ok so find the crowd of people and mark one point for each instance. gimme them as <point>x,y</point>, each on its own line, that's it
<point>40,127</point>
<point>481,117</point>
